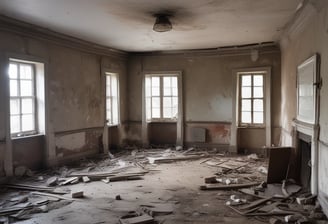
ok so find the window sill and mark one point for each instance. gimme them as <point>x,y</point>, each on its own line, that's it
<point>112,125</point>
<point>162,121</point>
<point>251,127</point>
<point>26,136</point>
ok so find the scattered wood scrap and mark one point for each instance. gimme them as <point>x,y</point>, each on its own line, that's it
<point>227,187</point>
<point>174,159</point>
<point>34,188</point>
<point>142,219</point>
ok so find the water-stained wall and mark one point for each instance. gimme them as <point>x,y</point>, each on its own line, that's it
<point>208,86</point>
<point>307,35</point>
<point>75,95</point>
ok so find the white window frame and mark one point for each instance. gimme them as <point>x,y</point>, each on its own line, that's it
<point>161,98</point>
<point>19,97</point>
<point>179,120</point>
<point>252,98</point>
<point>235,105</point>
<point>114,107</point>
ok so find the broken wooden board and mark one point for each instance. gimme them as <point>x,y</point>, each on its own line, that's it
<point>34,188</point>
<point>153,160</point>
<point>71,180</point>
<point>154,209</point>
<point>227,187</point>
<point>143,219</point>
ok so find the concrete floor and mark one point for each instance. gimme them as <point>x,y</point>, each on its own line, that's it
<point>176,183</point>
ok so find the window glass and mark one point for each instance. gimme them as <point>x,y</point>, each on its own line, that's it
<point>112,100</point>
<point>161,97</point>
<point>252,99</point>
<point>22,98</point>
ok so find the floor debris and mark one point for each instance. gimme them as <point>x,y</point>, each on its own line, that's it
<point>235,185</point>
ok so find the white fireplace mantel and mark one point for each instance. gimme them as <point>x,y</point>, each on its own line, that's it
<point>311,130</point>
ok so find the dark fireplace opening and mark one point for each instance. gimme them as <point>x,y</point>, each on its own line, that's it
<point>304,152</point>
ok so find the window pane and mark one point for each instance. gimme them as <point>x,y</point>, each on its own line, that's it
<point>258,105</point>
<point>14,106</point>
<point>13,71</point>
<point>115,110</point>
<point>246,80</point>
<point>258,80</point>
<point>167,92</point>
<point>258,117</point>
<point>109,116</point>
<point>14,124</point>
<point>108,104</point>
<point>27,122</point>
<point>258,92</point>
<point>13,88</point>
<point>155,91</point>
<point>167,82</point>
<point>156,102</point>
<point>108,80</point>
<point>155,81</point>
<point>246,105</point>
<point>174,91</point>
<point>148,108</point>
<point>114,85</point>
<point>174,112</point>
<point>246,117</point>
<point>167,112</point>
<point>167,102</point>
<point>156,113</point>
<point>246,92</point>
<point>174,82</point>
<point>108,91</point>
<point>27,106</point>
<point>25,71</point>
<point>148,86</point>
<point>26,88</point>
<point>175,102</point>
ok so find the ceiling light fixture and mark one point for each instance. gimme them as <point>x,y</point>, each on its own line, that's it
<point>162,23</point>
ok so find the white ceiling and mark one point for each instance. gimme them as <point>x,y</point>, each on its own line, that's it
<point>127,24</point>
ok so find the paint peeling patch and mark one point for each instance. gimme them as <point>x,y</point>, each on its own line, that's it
<point>76,143</point>
<point>216,132</point>
<point>71,141</point>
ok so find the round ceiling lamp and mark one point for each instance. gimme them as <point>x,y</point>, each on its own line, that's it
<point>162,23</point>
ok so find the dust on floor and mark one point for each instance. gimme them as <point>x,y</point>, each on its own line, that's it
<point>161,183</point>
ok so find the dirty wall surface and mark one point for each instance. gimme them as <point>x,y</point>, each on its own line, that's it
<point>75,101</point>
<point>296,48</point>
<point>208,85</point>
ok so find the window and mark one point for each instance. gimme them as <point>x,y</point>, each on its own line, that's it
<point>251,99</point>
<point>161,97</point>
<point>112,98</point>
<point>22,98</point>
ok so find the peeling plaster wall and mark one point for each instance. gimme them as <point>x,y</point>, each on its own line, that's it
<point>208,85</point>
<point>305,38</point>
<point>75,89</point>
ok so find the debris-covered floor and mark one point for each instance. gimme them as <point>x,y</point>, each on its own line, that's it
<point>157,186</point>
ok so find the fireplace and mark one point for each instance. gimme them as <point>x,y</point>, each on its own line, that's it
<point>306,144</point>
<point>304,160</point>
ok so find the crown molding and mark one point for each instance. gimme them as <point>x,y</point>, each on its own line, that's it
<point>262,48</point>
<point>11,25</point>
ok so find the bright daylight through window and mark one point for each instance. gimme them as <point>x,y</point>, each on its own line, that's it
<point>22,99</point>
<point>252,99</point>
<point>161,97</point>
<point>112,99</point>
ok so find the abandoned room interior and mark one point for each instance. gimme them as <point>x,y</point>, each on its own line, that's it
<point>141,111</point>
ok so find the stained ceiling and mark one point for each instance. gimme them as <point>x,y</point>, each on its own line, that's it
<point>127,24</point>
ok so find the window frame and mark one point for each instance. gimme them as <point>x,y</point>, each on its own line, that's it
<point>108,123</point>
<point>252,98</point>
<point>36,130</point>
<point>161,96</point>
